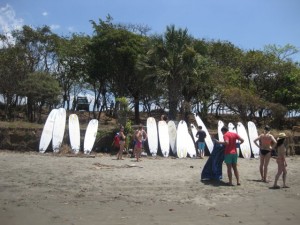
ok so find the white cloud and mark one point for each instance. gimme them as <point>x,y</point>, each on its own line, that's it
<point>8,23</point>
<point>71,29</point>
<point>45,13</point>
<point>54,26</point>
<point>8,19</point>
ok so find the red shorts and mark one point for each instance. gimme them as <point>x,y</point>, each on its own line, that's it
<point>138,144</point>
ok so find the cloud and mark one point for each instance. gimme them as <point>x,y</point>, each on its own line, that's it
<point>8,20</point>
<point>71,29</point>
<point>45,13</point>
<point>55,27</point>
<point>8,23</point>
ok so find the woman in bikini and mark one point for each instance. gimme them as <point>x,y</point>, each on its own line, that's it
<point>122,143</point>
<point>266,143</point>
<point>281,161</point>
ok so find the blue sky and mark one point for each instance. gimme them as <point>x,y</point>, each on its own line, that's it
<point>248,24</point>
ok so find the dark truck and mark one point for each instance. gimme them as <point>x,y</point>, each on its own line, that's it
<point>82,103</point>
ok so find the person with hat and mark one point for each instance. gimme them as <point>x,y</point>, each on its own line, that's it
<point>281,162</point>
<point>266,143</point>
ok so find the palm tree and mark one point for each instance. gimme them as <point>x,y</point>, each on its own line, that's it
<point>171,62</point>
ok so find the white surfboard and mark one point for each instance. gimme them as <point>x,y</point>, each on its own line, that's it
<point>245,146</point>
<point>152,135</point>
<point>181,147</point>
<point>194,132</point>
<point>90,136</point>
<point>220,134</point>
<point>232,128</point>
<point>253,134</point>
<point>191,150</point>
<point>208,140</point>
<point>74,133</point>
<point>59,129</point>
<point>46,136</point>
<point>163,135</point>
<point>172,135</point>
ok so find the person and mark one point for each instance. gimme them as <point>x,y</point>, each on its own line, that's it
<point>201,135</point>
<point>281,162</point>
<point>265,142</point>
<point>140,137</point>
<point>163,118</point>
<point>230,153</point>
<point>122,138</point>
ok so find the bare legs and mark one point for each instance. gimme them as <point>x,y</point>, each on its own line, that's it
<point>263,167</point>
<point>138,152</point>
<point>236,173</point>
<point>120,152</point>
<point>281,170</point>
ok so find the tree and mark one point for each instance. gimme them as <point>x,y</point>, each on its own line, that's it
<point>114,53</point>
<point>41,88</point>
<point>71,56</point>
<point>13,71</point>
<point>171,61</point>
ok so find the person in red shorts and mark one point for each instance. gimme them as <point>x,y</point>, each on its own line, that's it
<point>230,153</point>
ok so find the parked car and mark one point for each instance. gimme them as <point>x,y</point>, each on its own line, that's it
<point>82,103</point>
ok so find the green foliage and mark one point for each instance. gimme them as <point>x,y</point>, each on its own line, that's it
<point>123,103</point>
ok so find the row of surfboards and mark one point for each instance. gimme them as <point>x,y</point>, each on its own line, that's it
<point>54,130</point>
<point>182,143</point>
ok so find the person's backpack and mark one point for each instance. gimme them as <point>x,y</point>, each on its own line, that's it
<point>116,141</point>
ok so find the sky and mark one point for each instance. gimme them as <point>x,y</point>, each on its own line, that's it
<point>248,24</point>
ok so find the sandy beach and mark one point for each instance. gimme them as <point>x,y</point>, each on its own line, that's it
<point>48,189</point>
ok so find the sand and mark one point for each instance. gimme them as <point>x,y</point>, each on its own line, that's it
<point>48,189</point>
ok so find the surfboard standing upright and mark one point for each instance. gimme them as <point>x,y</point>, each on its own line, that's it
<point>74,133</point>
<point>172,135</point>
<point>181,147</point>
<point>46,136</point>
<point>208,140</point>
<point>163,135</point>
<point>220,134</point>
<point>245,147</point>
<point>253,134</point>
<point>59,129</point>
<point>90,136</point>
<point>152,135</point>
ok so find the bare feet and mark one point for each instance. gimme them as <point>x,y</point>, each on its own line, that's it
<point>276,187</point>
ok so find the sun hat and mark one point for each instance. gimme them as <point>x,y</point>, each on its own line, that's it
<point>281,135</point>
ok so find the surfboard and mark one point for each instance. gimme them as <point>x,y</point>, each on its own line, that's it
<point>90,136</point>
<point>194,132</point>
<point>152,135</point>
<point>220,134</point>
<point>191,150</point>
<point>74,133</point>
<point>181,147</point>
<point>253,134</point>
<point>172,135</point>
<point>245,146</point>
<point>208,140</point>
<point>232,128</point>
<point>46,136</point>
<point>163,135</point>
<point>58,129</point>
